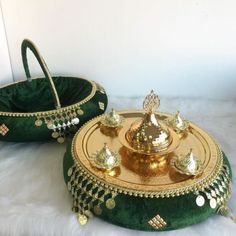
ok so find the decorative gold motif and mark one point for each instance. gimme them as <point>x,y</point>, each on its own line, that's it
<point>87,196</point>
<point>105,159</point>
<point>112,119</point>
<point>3,130</point>
<point>157,222</point>
<point>151,102</point>
<point>101,105</point>
<point>178,124</point>
<point>218,192</point>
<point>60,124</point>
<point>188,164</point>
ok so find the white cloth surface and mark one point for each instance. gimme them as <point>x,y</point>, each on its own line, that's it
<point>34,199</point>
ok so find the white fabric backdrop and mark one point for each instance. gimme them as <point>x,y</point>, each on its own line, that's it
<point>5,66</point>
<point>185,47</point>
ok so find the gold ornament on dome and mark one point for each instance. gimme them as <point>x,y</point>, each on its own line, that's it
<point>178,124</point>
<point>105,159</point>
<point>112,119</point>
<point>188,164</point>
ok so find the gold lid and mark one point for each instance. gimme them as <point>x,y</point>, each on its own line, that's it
<point>112,119</point>
<point>148,134</point>
<point>105,159</point>
<point>188,164</point>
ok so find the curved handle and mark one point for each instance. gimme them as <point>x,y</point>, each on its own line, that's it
<point>29,44</point>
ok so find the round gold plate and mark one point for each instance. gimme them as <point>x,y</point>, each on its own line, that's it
<point>139,172</point>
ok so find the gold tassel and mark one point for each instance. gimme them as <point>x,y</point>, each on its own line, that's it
<point>227,212</point>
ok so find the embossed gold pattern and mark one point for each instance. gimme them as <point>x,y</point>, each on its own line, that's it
<point>157,222</point>
<point>3,129</point>
<point>101,105</point>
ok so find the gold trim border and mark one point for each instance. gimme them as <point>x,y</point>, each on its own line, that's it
<point>50,112</point>
<point>194,188</point>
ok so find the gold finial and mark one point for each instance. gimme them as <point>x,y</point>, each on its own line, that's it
<point>112,119</point>
<point>151,102</point>
<point>188,164</point>
<point>105,159</point>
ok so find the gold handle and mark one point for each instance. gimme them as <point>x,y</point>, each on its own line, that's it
<point>29,44</point>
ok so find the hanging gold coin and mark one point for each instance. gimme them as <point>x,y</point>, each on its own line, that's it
<point>110,203</point>
<point>60,140</point>
<point>55,134</point>
<point>70,171</point>
<point>97,210</point>
<point>213,203</point>
<point>82,219</point>
<point>38,122</point>
<point>200,200</point>
<point>50,124</point>
<point>80,112</point>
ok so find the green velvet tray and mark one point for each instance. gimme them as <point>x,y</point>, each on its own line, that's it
<point>49,107</point>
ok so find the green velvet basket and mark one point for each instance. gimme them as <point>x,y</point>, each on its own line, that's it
<point>49,107</point>
<point>143,190</point>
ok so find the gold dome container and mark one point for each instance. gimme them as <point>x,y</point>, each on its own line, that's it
<point>148,134</point>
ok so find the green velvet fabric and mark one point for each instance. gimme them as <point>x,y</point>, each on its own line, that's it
<point>36,96</point>
<point>135,212</point>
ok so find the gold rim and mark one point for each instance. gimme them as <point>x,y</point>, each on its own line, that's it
<point>54,111</point>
